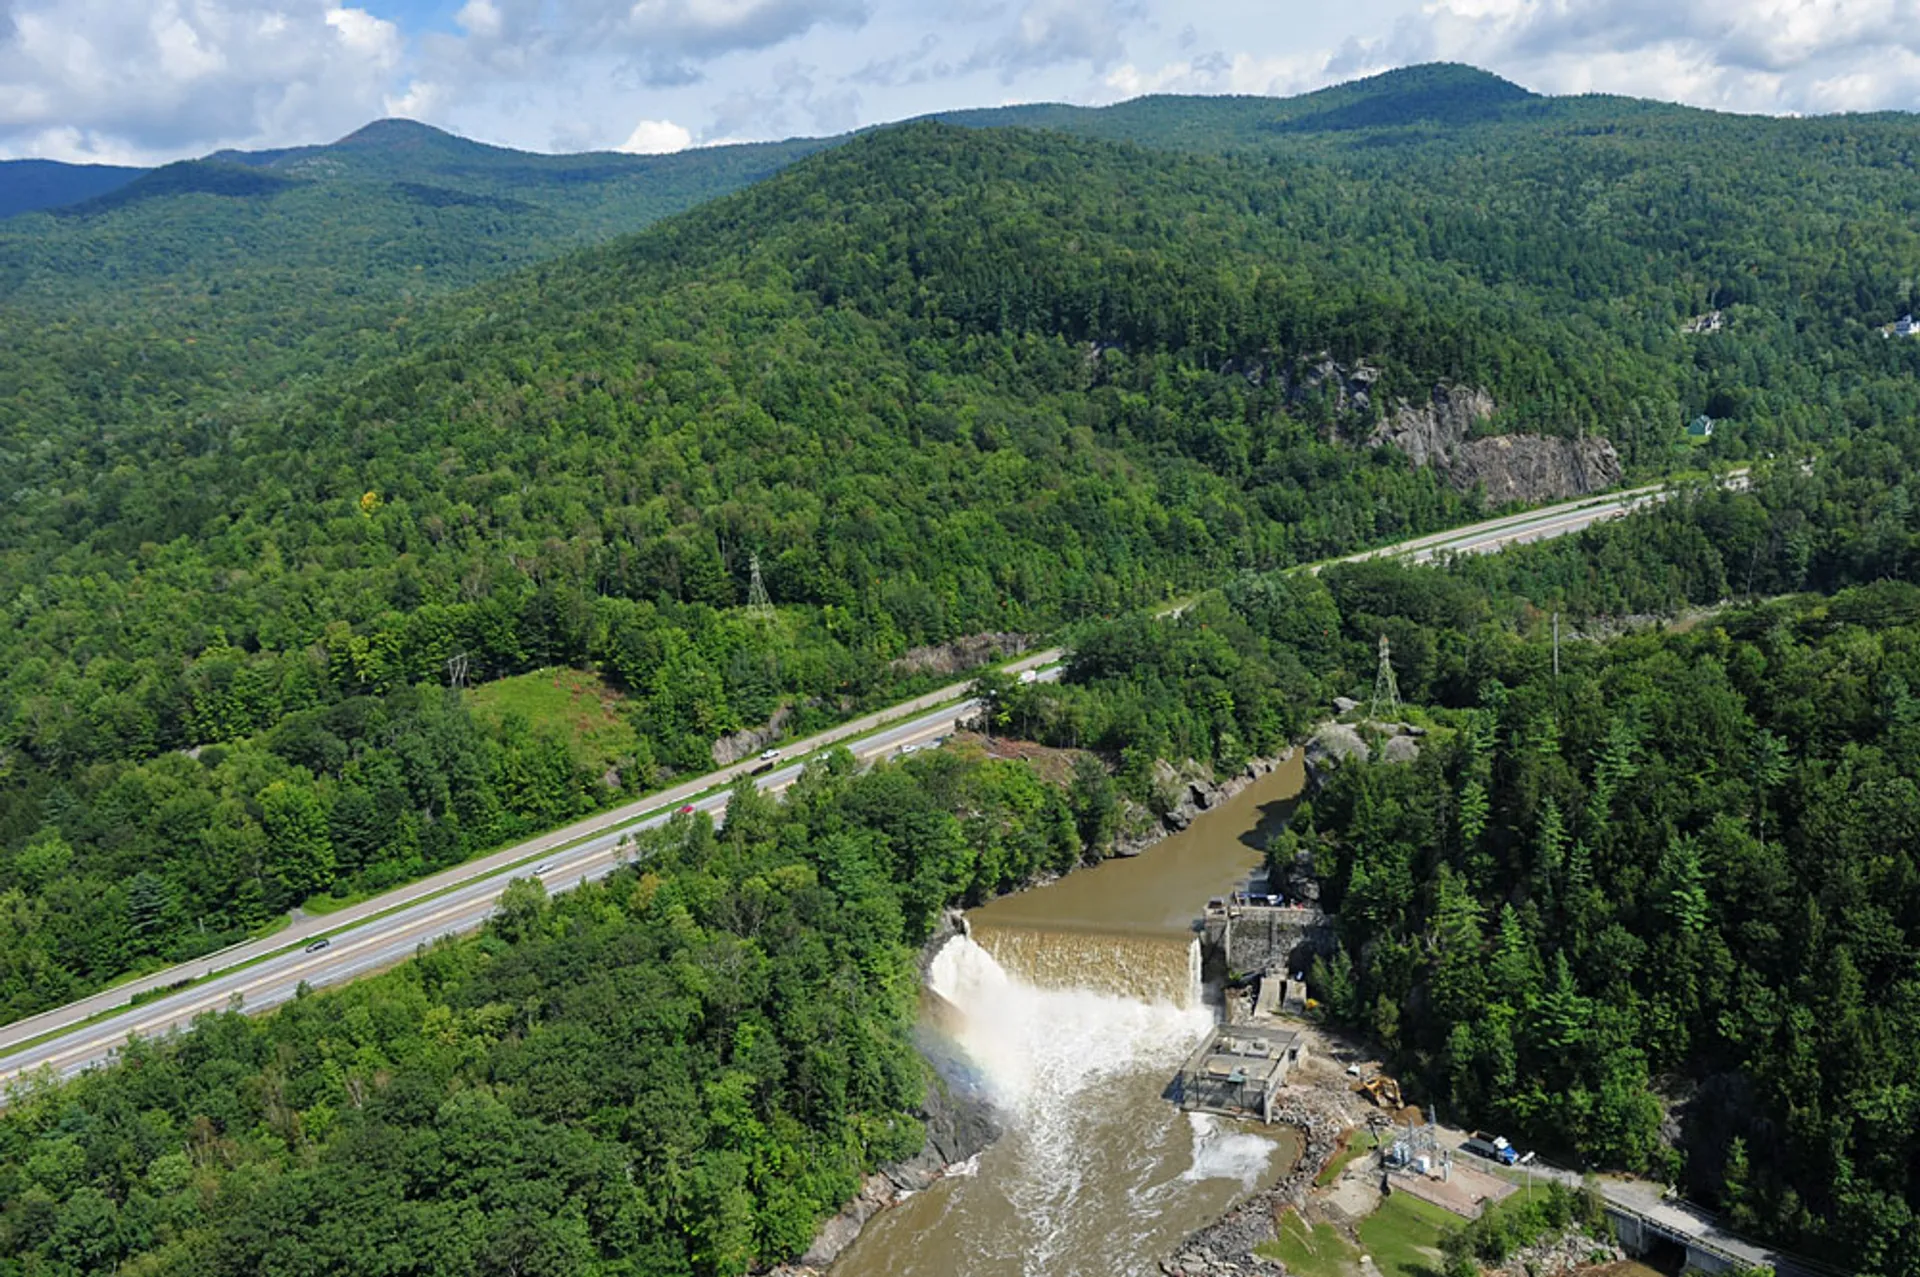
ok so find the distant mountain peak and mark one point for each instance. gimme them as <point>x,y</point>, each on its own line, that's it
<point>1437,75</point>
<point>394,132</point>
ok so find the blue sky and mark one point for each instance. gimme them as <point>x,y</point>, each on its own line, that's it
<point>142,81</point>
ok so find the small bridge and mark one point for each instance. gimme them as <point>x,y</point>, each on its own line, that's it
<point>1643,1216</point>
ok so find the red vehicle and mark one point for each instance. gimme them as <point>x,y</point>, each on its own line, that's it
<point>687,810</point>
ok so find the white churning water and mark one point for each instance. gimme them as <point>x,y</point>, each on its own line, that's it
<point>1097,1176</point>
<point>1076,1004</point>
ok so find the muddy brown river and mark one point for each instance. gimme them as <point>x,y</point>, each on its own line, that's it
<point>1076,1002</point>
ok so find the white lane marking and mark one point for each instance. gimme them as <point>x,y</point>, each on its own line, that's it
<point>276,984</point>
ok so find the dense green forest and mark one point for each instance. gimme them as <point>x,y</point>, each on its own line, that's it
<point>678,1071</point>
<point>945,380</point>
<point>941,380</point>
<point>208,295</point>
<point>1676,879</point>
<point>1676,871</point>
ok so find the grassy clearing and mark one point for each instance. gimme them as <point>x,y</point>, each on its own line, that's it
<point>1403,1236</point>
<point>575,703</point>
<point>1361,1143</point>
<point>1311,1251</point>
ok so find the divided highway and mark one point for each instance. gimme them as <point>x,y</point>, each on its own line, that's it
<point>382,931</point>
<point>388,928</point>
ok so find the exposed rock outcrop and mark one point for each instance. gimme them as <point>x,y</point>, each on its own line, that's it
<point>1187,797</point>
<point>749,741</point>
<point>1439,433</point>
<point>1337,742</point>
<point>1530,469</point>
<point>962,653</point>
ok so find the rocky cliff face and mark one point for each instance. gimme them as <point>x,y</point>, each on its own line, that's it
<point>1525,468</point>
<point>962,653</point>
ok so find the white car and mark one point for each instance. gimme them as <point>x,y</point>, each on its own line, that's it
<point>769,755</point>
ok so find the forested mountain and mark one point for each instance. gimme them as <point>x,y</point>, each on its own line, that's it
<point>1680,869</point>
<point>941,380</point>
<point>27,185</point>
<point>234,281</point>
<point>261,488</point>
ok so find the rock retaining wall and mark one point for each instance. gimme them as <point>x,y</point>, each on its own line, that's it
<point>1225,1247</point>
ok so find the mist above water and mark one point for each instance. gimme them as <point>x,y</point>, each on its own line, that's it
<point>1041,1047</point>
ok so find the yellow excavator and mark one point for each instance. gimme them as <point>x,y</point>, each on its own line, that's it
<point>1382,1090</point>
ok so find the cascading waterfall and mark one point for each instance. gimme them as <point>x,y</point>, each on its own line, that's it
<point>1093,1155</point>
<point>1039,1046</point>
<point>1154,968</point>
<point>1072,1006</point>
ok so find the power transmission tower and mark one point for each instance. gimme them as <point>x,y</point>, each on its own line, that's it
<point>1386,692</point>
<point>759,606</point>
<point>456,676</point>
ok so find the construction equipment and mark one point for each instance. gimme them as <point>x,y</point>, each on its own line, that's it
<point>1382,1090</point>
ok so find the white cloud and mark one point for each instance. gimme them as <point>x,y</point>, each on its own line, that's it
<point>1275,76</point>
<point>1756,55</point>
<point>481,18</point>
<point>656,137</point>
<point>1048,32</point>
<point>661,42</point>
<point>86,78</point>
<point>157,79</point>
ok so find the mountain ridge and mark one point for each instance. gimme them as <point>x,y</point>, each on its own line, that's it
<point>1444,94</point>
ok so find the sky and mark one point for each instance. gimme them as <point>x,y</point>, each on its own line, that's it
<point>144,81</point>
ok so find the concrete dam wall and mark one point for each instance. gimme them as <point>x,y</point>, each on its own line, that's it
<point>1239,937</point>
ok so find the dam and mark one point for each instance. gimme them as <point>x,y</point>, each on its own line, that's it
<point>1077,1003</point>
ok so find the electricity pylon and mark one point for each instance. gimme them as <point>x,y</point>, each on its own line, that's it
<point>1386,692</point>
<point>759,606</point>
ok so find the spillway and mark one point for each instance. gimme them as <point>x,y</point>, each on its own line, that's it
<point>1075,1004</point>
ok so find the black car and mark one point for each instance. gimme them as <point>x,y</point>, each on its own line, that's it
<point>318,945</point>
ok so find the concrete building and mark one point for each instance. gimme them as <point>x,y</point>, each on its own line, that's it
<point>1238,1070</point>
